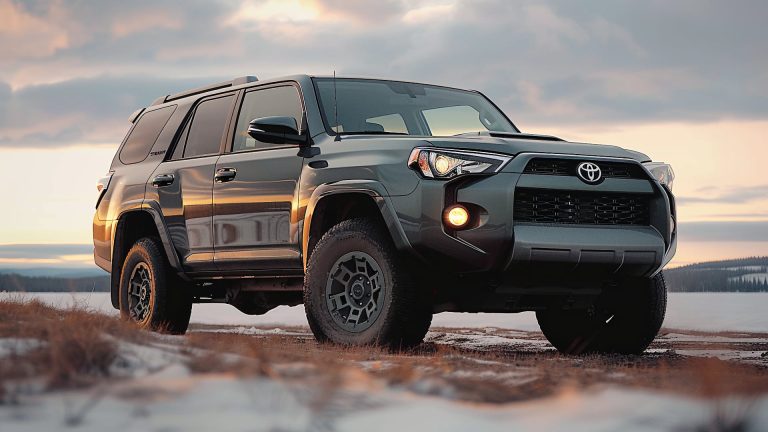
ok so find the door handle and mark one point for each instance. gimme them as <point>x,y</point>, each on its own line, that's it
<point>162,180</point>
<point>224,175</point>
<point>318,164</point>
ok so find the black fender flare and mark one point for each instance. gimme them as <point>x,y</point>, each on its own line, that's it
<point>153,209</point>
<point>373,189</point>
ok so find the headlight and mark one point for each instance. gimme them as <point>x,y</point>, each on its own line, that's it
<point>446,164</point>
<point>662,172</point>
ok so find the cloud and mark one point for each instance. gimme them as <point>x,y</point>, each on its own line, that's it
<point>730,195</point>
<point>81,111</point>
<point>64,256</point>
<point>724,231</point>
<point>361,11</point>
<point>141,22</point>
<point>44,251</point>
<point>26,36</point>
<point>543,62</point>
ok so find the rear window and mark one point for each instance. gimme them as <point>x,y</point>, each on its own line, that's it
<point>144,134</point>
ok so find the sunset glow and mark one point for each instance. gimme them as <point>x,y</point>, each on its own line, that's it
<point>71,74</point>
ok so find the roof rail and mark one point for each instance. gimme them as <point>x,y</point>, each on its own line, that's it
<point>235,82</point>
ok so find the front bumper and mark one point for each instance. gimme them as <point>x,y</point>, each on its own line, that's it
<point>500,245</point>
<point>633,251</point>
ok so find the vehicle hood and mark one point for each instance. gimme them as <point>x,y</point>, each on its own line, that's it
<point>513,144</point>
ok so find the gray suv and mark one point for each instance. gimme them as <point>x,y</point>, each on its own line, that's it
<point>377,204</point>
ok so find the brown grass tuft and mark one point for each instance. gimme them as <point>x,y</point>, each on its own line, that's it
<point>77,348</point>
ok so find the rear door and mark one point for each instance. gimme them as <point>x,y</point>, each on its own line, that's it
<point>255,195</point>
<point>185,183</point>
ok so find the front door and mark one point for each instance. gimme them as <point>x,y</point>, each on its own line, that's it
<point>255,192</point>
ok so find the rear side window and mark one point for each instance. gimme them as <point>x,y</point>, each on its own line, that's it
<point>144,134</point>
<point>208,126</point>
<point>276,101</point>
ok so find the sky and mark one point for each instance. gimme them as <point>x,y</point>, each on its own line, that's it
<point>685,82</point>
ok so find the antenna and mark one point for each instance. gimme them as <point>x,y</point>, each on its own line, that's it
<point>336,108</point>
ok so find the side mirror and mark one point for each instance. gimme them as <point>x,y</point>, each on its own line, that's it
<point>276,130</point>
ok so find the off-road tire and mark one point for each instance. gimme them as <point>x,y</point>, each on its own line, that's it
<point>624,321</point>
<point>405,315</point>
<point>170,301</point>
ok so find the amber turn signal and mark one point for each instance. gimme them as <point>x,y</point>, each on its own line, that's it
<point>456,216</point>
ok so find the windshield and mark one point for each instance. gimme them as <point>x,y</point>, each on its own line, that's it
<point>373,106</point>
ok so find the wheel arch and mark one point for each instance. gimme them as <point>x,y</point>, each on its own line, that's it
<point>132,225</point>
<point>332,203</point>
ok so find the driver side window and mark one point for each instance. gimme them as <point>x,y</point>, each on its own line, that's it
<point>274,101</point>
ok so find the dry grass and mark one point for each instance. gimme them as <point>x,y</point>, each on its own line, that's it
<point>77,346</point>
<point>80,347</point>
<point>472,375</point>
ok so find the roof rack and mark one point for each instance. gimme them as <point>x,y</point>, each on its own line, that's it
<point>235,82</point>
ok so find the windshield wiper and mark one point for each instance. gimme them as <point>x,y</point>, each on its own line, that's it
<point>472,133</point>
<point>372,133</point>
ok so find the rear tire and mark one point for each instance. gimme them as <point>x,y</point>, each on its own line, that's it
<point>625,321</point>
<point>356,291</point>
<point>151,295</point>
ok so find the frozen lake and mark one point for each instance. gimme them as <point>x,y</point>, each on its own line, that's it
<point>690,311</point>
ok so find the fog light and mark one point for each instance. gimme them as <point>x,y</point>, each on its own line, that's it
<point>456,216</point>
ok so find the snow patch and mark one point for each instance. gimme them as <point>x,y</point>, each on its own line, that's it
<point>256,331</point>
<point>18,346</point>
<point>486,341</point>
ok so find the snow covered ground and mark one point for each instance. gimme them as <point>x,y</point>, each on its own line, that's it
<point>230,404</point>
<point>689,311</point>
<point>476,372</point>
<point>159,392</point>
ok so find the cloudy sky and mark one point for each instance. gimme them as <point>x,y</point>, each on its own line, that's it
<point>684,81</point>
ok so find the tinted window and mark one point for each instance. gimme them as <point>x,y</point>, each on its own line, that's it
<point>208,125</point>
<point>359,105</point>
<point>144,135</point>
<point>453,120</point>
<point>276,101</point>
<point>387,123</point>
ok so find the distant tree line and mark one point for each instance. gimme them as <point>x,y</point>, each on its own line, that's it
<point>17,283</point>
<point>719,276</point>
<point>713,276</point>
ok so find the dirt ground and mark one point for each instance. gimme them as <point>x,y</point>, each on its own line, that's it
<point>499,366</point>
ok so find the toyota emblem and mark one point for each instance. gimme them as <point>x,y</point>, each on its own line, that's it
<point>589,172</point>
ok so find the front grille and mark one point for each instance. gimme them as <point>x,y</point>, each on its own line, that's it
<point>581,208</point>
<point>567,167</point>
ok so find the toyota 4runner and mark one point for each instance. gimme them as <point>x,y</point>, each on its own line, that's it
<point>377,204</point>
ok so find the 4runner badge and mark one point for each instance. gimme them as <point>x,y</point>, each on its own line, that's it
<point>589,172</point>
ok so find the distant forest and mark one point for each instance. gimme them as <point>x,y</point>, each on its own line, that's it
<point>720,276</point>
<point>15,283</point>
<point>712,276</point>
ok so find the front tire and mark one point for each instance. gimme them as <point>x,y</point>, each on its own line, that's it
<point>624,321</point>
<point>151,295</point>
<point>356,291</point>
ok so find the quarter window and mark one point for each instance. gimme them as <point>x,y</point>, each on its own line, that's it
<point>144,135</point>
<point>276,101</point>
